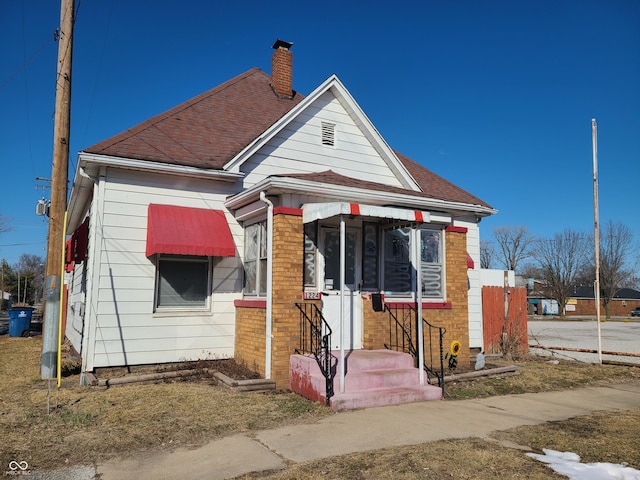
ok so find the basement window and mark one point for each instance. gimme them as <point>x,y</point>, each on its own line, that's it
<point>328,134</point>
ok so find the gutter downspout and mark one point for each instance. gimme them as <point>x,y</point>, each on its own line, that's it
<point>269,320</point>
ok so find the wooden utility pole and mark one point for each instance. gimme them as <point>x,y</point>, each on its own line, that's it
<point>51,332</point>
<point>61,133</point>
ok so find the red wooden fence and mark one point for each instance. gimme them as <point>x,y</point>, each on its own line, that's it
<point>495,328</point>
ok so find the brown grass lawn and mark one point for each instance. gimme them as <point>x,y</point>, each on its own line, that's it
<point>50,427</point>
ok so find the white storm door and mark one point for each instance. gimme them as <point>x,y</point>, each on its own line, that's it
<point>330,247</point>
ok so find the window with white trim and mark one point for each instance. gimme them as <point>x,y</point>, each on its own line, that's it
<point>255,259</point>
<point>183,282</point>
<point>431,265</point>
<point>406,247</point>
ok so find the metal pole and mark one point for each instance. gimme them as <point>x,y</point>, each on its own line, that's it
<point>596,236</point>
<point>342,277</point>
<point>418,262</point>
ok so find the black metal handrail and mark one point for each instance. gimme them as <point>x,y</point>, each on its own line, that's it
<point>403,337</point>
<point>314,341</point>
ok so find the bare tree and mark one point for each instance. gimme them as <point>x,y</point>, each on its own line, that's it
<point>616,246</point>
<point>561,259</point>
<point>514,243</point>
<point>31,274</point>
<point>531,270</point>
<point>487,254</point>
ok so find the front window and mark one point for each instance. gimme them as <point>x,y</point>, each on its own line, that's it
<point>398,272</point>
<point>255,259</point>
<point>400,275</point>
<point>431,263</point>
<point>183,282</point>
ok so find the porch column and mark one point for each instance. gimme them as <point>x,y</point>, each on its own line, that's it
<point>418,266</point>
<point>342,277</point>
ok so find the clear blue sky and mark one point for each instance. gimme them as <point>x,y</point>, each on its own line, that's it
<point>496,96</point>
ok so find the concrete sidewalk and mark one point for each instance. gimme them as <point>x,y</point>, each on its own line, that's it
<point>370,429</point>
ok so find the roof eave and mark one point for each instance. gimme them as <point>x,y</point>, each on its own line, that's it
<point>277,185</point>
<point>97,160</point>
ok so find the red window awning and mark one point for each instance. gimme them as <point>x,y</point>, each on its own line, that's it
<point>188,231</point>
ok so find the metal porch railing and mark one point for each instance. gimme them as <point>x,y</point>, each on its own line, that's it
<point>314,341</point>
<point>403,337</point>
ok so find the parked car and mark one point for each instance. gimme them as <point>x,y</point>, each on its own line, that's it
<point>635,312</point>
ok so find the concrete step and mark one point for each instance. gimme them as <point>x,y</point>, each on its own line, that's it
<point>384,396</point>
<point>363,360</point>
<point>384,378</point>
<point>372,378</point>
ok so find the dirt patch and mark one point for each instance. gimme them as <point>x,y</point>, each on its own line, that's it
<point>200,371</point>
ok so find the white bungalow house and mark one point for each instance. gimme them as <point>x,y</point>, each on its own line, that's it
<point>257,223</point>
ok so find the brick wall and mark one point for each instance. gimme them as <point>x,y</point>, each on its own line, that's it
<point>375,330</point>
<point>616,308</point>
<point>455,319</point>
<point>288,236</point>
<point>250,338</point>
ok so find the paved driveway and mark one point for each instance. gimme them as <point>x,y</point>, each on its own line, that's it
<point>617,336</point>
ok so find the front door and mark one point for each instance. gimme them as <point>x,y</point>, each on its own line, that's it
<point>352,325</point>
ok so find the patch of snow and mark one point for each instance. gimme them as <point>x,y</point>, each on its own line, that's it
<point>568,464</point>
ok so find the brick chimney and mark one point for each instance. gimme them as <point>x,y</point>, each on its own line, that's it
<point>282,69</point>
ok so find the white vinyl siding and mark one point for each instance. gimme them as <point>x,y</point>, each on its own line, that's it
<point>298,148</point>
<point>125,327</point>
<point>475,287</point>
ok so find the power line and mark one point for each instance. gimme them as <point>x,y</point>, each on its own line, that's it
<point>20,244</point>
<point>24,65</point>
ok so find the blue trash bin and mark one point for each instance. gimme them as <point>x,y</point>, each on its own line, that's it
<point>20,321</point>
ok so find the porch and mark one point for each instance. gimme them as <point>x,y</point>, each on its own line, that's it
<point>357,378</point>
<point>373,378</point>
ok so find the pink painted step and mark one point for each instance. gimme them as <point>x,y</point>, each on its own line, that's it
<point>381,397</point>
<point>372,378</point>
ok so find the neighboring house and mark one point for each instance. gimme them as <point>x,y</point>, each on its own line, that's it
<point>583,302</point>
<point>205,231</point>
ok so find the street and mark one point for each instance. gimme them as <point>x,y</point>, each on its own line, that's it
<point>616,336</point>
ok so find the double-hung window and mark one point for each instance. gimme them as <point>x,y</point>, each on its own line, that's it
<point>255,259</point>
<point>183,282</point>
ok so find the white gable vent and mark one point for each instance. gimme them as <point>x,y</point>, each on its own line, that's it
<point>328,134</point>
